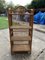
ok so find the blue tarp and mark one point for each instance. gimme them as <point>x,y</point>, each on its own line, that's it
<point>39,18</point>
<point>42,19</point>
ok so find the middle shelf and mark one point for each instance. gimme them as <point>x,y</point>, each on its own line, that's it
<point>21,38</point>
<point>20,27</point>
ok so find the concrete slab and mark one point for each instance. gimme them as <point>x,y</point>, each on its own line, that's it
<point>40,28</point>
<point>38,44</point>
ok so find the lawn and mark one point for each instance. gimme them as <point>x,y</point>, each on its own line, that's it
<point>3,23</point>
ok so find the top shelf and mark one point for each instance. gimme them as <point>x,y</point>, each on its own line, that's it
<point>20,14</point>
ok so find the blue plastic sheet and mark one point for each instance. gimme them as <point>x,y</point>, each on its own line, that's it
<point>39,18</point>
<point>42,19</point>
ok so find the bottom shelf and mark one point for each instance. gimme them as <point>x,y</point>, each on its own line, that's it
<point>20,48</point>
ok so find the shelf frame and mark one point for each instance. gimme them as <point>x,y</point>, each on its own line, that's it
<point>10,13</point>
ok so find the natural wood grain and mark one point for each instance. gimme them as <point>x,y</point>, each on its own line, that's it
<point>20,38</point>
<point>21,42</point>
<point>20,48</point>
<point>20,27</point>
<point>20,14</point>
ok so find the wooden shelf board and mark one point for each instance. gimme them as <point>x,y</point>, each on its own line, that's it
<point>19,48</point>
<point>20,27</point>
<point>20,14</point>
<point>20,38</point>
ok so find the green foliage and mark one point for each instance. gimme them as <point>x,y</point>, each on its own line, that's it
<point>28,6</point>
<point>10,5</point>
<point>2,4</point>
<point>36,4</point>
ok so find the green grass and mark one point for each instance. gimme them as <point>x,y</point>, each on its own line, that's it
<point>3,23</point>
